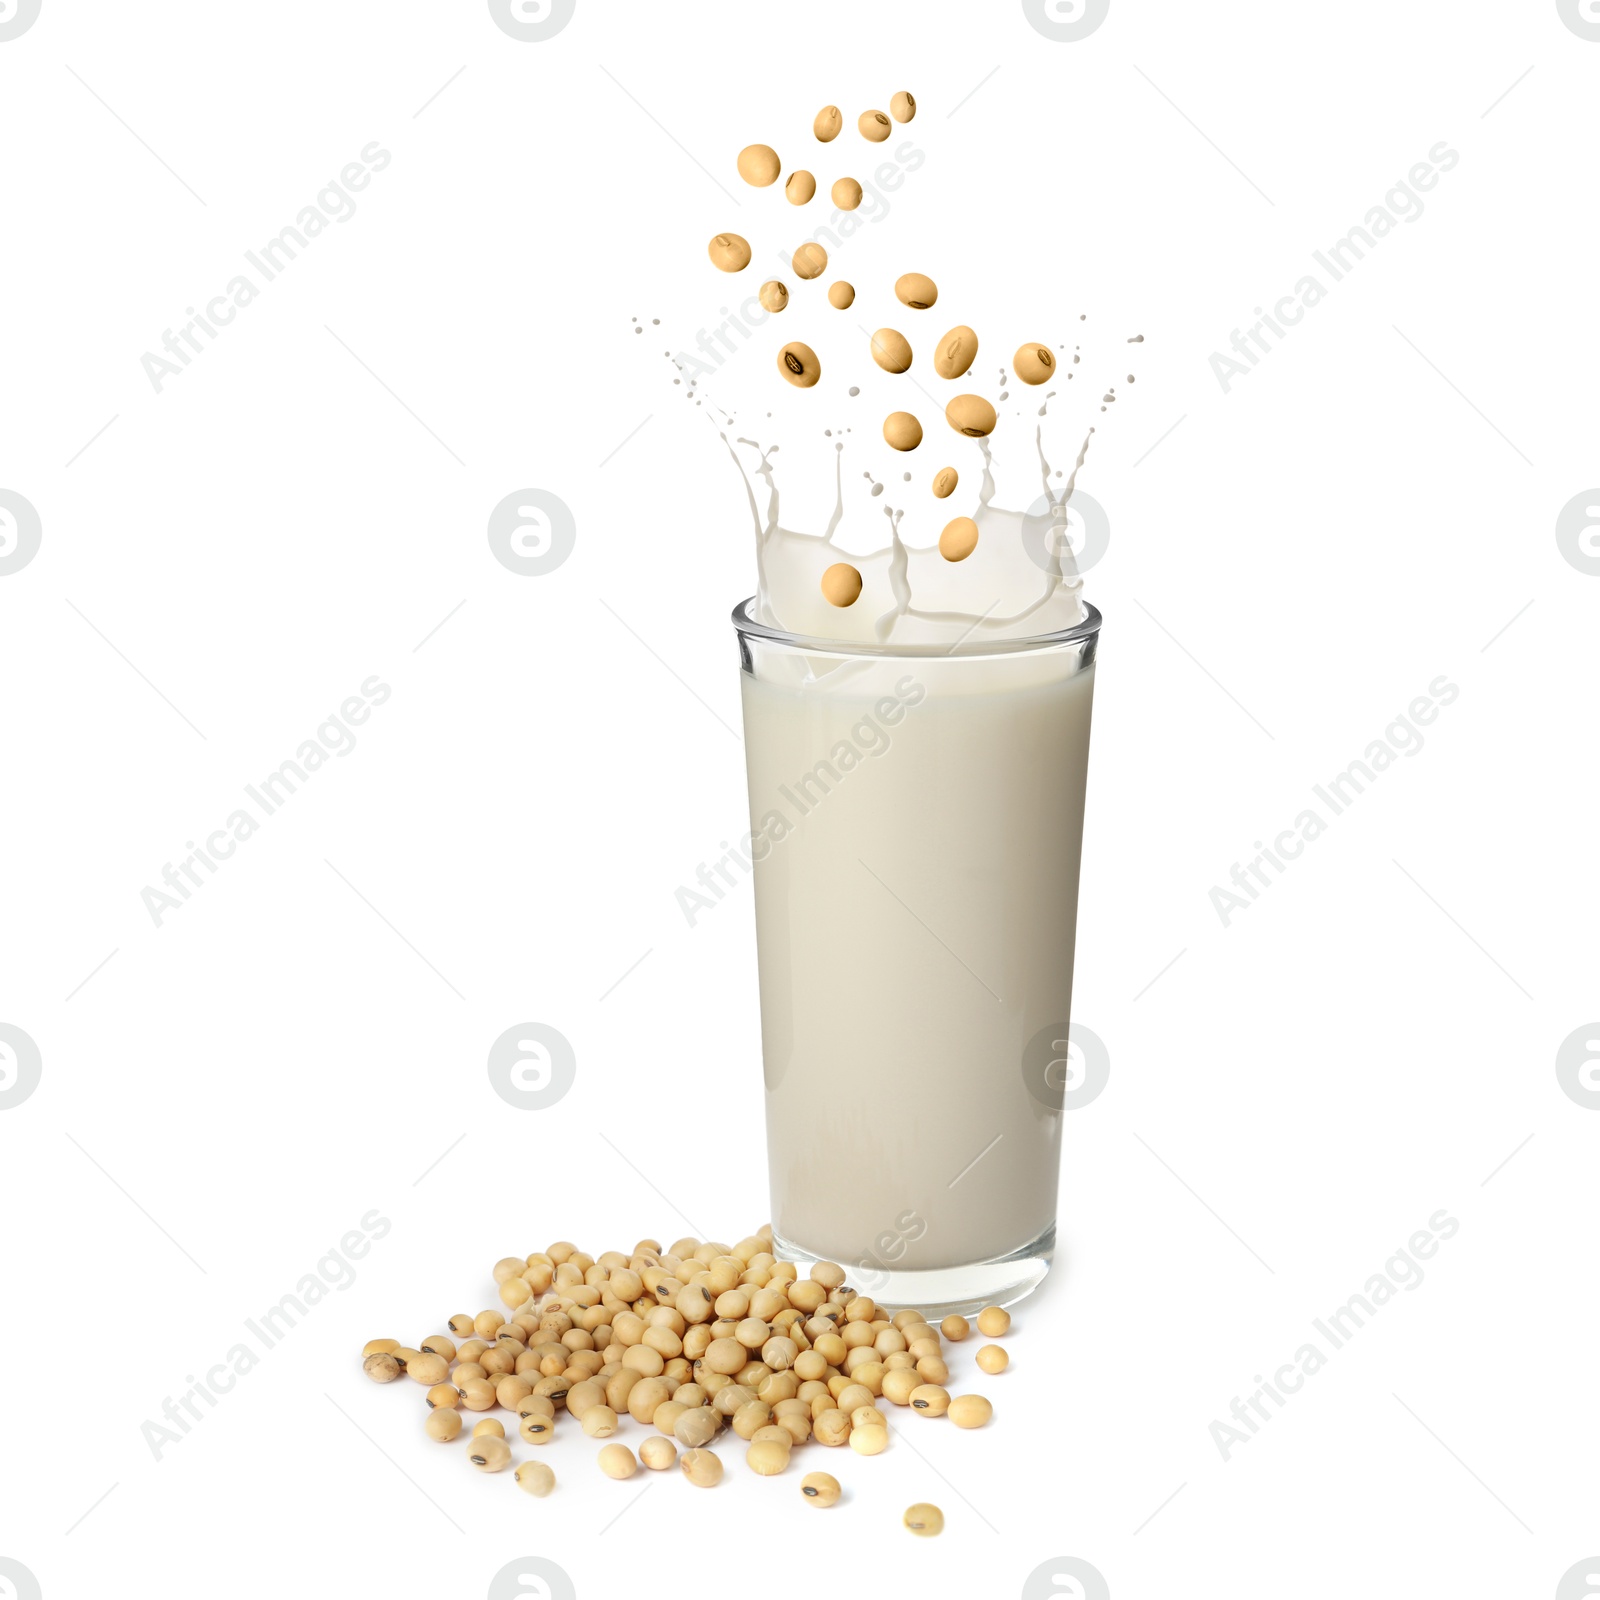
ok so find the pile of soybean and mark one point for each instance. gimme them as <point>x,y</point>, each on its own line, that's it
<point>688,1342</point>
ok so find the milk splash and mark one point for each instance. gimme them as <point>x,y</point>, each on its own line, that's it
<point>1022,575</point>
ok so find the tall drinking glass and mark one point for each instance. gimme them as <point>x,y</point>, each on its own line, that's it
<point>916,819</point>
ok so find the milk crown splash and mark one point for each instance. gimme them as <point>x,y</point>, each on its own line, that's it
<point>1021,580</point>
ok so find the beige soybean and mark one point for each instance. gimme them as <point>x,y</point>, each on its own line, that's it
<point>970,1411</point>
<point>461,1323</point>
<point>729,253</point>
<point>916,289</point>
<point>831,1427</point>
<point>442,1425</point>
<point>1033,363</point>
<point>773,295</point>
<point>874,126</point>
<point>993,1323</point>
<point>768,1458</point>
<point>827,123</point>
<point>798,363</point>
<point>535,1429</point>
<point>658,1453</point>
<point>902,431</point>
<point>955,1328</point>
<point>379,1347</point>
<point>489,1425</point>
<point>891,350</point>
<point>930,1400</point>
<point>477,1394</point>
<point>820,1489</point>
<point>903,106</point>
<point>956,352</point>
<point>956,543</point>
<point>534,1405</point>
<point>944,485</point>
<point>871,1440</point>
<point>841,295</point>
<point>841,586</point>
<point>924,1520</point>
<point>703,1468</point>
<point>695,1427</point>
<point>381,1367</point>
<point>535,1478</point>
<point>899,1385</point>
<point>800,188</point>
<point>618,1461</point>
<point>599,1422</point>
<point>973,416</point>
<point>809,261</point>
<point>507,1267</point>
<point>846,193</point>
<point>490,1453</point>
<point>443,1396</point>
<point>992,1358</point>
<point>759,165</point>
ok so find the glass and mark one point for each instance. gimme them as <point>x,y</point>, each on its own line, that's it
<point>916,818</point>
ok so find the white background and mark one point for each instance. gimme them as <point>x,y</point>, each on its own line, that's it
<point>1291,563</point>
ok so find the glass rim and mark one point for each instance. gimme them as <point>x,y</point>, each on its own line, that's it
<point>747,626</point>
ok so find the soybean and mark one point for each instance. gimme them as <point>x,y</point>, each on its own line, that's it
<point>954,1328</point>
<point>774,296</point>
<point>973,416</point>
<point>841,586</point>
<point>618,1461</point>
<point>841,295</point>
<point>759,165</point>
<point>379,1347</point>
<point>490,1453</point>
<point>970,1411</point>
<point>702,1468</point>
<point>798,191</point>
<point>944,485</point>
<point>535,1429</point>
<point>729,253</point>
<point>381,1366</point>
<point>993,1323</point>
<point>798,363</point>
<point>809,261</point>
<point>874,126</point>
<point>658,1453</point>
<point>827,123</point>
<point>956,543</point>
<point>903,107</point>
<point>535,1478</point>
<point>767,1457</point>
<point>924,1520</point>
<point>871,1440</point>
<point>442,1425</point>
<point>916,289</point>
<point>902,431</point>
<point>1033,363</point>
<point>820,1489</point>
<point>891,350</point>
<point>846,193</point>
<point>993,1359</point>
<point>957,350</point>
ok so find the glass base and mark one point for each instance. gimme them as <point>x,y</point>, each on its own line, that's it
<point>939,1291</point>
